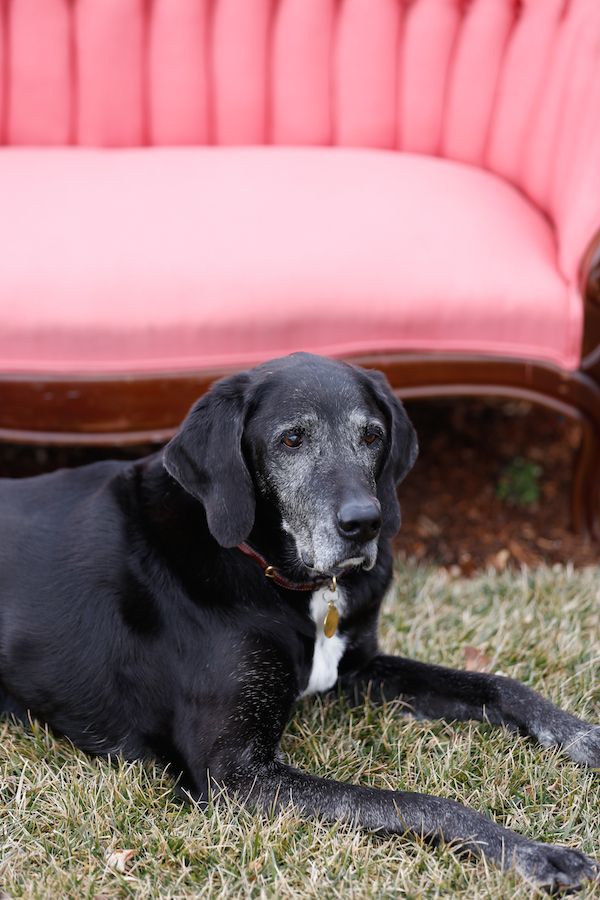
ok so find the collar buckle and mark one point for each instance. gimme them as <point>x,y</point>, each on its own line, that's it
<point>279,579</point>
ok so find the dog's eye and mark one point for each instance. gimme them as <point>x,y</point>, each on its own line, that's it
<point>372,436</point>
<point>292,439</point>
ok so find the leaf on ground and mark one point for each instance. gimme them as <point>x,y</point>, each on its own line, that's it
<point>500,559</point>
<point>466,564</point>
<point>523,554</point>
<point>476,660</point>
<point>118,859</point>
<point>426,527</point>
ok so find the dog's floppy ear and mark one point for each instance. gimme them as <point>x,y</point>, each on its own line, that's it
<point>205,457</point>
<point>402,451</point>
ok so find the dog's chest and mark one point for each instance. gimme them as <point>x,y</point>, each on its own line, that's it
<point>328,651</point>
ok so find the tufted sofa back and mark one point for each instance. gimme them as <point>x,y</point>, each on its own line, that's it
<point>510,85</point>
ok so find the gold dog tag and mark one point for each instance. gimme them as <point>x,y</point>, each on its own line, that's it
<point>332,616</point>
<point>330,623</point>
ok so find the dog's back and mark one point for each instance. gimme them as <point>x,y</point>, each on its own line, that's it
<point>52,529</point>
<point>45,529</point>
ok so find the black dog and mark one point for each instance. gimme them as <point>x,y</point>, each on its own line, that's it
<point>136,618</point>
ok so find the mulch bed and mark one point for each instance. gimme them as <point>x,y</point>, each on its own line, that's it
<point>452,514</point>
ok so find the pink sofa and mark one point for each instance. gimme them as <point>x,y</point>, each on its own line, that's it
<point>191,186</point>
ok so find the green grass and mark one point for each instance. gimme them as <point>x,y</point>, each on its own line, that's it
<point>61,812</point>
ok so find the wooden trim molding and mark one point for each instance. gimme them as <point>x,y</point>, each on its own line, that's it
<point>589,271</point>
<point>97,411</point>
<point>135,409</point>
<point>128,409</point>
<point>590,291</point>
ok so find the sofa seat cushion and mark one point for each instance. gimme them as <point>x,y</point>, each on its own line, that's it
<point>147,260</point>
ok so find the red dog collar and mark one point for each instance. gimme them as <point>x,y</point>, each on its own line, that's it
<point>272,573</point>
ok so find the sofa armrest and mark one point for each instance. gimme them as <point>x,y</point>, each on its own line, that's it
<point>576,215</point>
<point>562,161</point>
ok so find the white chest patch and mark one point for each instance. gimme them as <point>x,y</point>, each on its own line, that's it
<point>328,651</point>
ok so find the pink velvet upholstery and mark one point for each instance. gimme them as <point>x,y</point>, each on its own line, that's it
<point>505,86</point>
<point>171,258</point>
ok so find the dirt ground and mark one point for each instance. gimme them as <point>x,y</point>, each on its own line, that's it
<point>452,512</point>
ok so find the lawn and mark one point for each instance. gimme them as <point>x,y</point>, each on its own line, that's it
<point>63,814</point>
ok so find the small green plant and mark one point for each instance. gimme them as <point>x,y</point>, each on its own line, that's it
<point>519,482</point>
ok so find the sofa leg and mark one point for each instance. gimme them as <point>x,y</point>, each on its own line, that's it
<point>585,485</point>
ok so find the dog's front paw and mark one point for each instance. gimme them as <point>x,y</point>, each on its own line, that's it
<point>584,747</point>
<point>554,868</point>
<point>580,740</point>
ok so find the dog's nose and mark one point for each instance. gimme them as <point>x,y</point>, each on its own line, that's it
<point>359,520</point>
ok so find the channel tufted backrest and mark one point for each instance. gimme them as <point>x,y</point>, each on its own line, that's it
<point>510,85</point>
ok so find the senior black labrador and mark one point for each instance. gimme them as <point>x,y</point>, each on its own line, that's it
<point>177,607</point>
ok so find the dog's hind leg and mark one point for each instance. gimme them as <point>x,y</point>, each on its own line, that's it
<point>436,692</point>
<point>275,786</point>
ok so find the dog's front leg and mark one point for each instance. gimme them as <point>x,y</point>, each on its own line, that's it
<point>238,743</point>
<point>433,692</point>
<point>274,786</point>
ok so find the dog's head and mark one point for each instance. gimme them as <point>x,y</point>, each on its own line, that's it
<point>323,443</point>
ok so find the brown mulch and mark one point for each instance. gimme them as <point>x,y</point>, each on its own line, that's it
<point>452,515</point>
